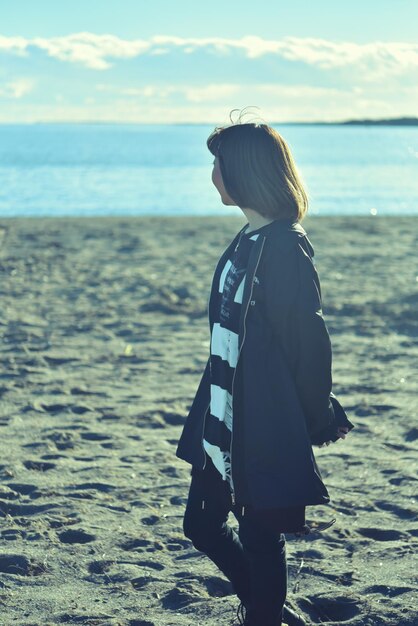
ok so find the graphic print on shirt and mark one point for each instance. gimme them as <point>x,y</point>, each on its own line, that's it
<point>233,279</point>
<point>224,357</point>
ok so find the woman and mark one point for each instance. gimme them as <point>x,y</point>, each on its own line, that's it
<point>265,395</point>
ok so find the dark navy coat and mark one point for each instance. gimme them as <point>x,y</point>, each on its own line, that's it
<point>281,398</point>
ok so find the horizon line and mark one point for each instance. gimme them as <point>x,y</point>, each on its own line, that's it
<point>406,120</point>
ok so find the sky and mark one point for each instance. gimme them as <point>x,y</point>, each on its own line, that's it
<point>189,62</point>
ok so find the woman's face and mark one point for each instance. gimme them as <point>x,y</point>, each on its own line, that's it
<point>218,182</point>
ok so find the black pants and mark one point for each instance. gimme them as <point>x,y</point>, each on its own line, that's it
<point>254,559</point>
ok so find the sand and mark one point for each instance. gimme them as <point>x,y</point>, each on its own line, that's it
<point>104,338</point>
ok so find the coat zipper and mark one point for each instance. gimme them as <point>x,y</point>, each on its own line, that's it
<point>203,434</point>
<point>203,447</point>
<point>233,378</point>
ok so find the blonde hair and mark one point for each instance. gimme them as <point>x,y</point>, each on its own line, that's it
<point>258,169</point>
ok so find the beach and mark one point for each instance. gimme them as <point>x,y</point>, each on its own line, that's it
<point>104,339</point>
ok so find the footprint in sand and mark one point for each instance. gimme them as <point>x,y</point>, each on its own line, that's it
<point>115,571</point>
<point>12,534</point>
<point>87,459</point>
<point>76,536</point>
<point>365,410</point>
<point>152,565</point>
<point>216,587</point>
<point>60,520</point>
<point>334,609</point>
<point>173,472</point>
<point>56,408</point>
<point>396,446</point>
<point>62,440</point>
<point>178,500</point>
<point>112,446</point>
<point>78,391</point>
<point>411,435</point>
<point>142,581</point>
<point>22,488</point>
<point>52,360</point>
<point>381,534</point>
<point>99,567</point>
<point>388,591</point>
<point>150,520</point>
<point>177,543</point>
<point>132,458</point>
<point>14,510</point>
<point>7,493</point>
<point>53,456</point>
<point>34,445</point>
<point>19,564</point>
<point>185,593</point>
<point>399,511</point>
<point>398,480</point>
<point>194,590</point>
<point>161,418</point>
<point>40,466</point>
<point>92,436</point>
<point>134,544</point>
<point>103,487</point>
<point>72,618</point>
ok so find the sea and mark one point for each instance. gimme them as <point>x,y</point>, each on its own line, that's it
<point>164,170</point>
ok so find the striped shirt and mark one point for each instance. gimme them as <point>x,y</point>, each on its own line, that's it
<point>224,355</point>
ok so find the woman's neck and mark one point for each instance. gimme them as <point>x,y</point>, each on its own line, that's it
<point>255,222</point>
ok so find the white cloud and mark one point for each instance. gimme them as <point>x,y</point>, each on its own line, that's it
<point>14,45</point>
<point>16,89</point>
<point>95,51</point>
<point>211,93</point>
<point>220,91</point>
<point>335,80</point>
<point>128,110</point>
<point>145,91</point>
<point>89,49</point>
<point>187,104</point>
<point>191,93</point>
<point>85,48</point>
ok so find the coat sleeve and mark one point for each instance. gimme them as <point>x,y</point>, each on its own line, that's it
<point>313,370</point>
<point>296,314</point>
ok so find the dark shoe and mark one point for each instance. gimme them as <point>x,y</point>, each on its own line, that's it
<point>241,613</point>
<point>290,617</point>
<point>315,527</point>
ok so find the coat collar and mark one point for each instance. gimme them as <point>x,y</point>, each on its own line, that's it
<point>284,230</point>
<point>280,226</point>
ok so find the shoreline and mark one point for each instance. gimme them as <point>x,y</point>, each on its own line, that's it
<point>230,222</point>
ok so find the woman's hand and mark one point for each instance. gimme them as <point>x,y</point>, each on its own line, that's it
<point>341,432</point>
